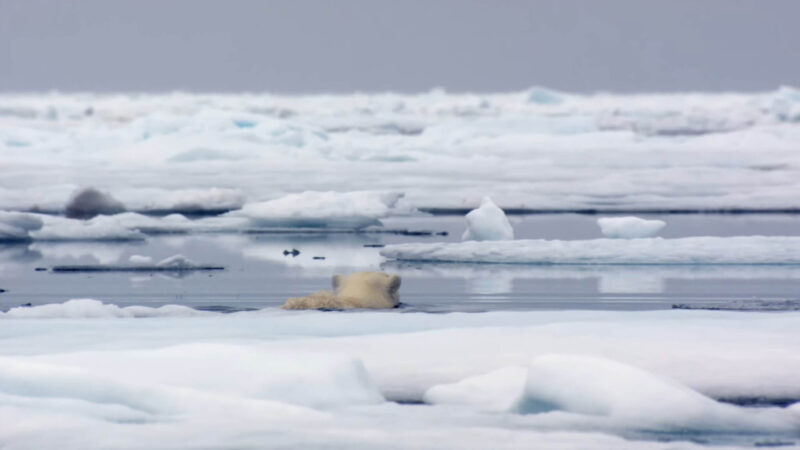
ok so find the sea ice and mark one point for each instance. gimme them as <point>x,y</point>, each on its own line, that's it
<point>309,379</point>
<point>598,387</point>
<point>534,149</point>
<point>691,250</point>
<point>487,223</point>
<point>350,210</point>
<point>629,227</point>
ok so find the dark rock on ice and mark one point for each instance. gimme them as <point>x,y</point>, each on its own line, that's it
<point>90,202</point>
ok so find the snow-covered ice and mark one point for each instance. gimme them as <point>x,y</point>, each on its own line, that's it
<point>629,227</point>
<point>84,374</point>
<point>487,223</point>
<point>690,250</point>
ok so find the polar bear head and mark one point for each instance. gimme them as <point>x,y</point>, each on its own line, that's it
<point>367,290</point>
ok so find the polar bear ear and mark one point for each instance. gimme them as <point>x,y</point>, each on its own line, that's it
<point>336,281</point>
<point>394,283</point>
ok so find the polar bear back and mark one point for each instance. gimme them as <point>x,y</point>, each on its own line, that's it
<point>367,290</point>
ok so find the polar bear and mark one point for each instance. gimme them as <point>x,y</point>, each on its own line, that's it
<point>357,290</point>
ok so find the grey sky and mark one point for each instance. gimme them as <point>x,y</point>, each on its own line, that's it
<point>400,45</point>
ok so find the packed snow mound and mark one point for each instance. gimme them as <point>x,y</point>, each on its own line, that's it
<point>487,223</point>
<point>86,308</point>
<point>693,250</point>
<point>90,202</point>
<point>310,209</point>
<point>603,388</point>
<point>16,226</point>
<point>629,227</point>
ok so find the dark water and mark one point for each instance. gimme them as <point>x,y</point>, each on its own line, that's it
<point>258,274</point>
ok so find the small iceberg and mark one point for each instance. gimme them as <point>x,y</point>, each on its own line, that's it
<point>487,223</point>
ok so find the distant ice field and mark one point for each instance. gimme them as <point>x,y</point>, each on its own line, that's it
<point>539,149</point>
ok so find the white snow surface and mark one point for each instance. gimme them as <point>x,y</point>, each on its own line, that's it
<point>691,250</point>
<point>107,377</point>
<point>629,227</point>
<point>487,223</point>
<point>538,149</point>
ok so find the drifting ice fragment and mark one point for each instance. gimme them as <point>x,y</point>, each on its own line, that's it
<point>629,227</point>
<point>487,223</point>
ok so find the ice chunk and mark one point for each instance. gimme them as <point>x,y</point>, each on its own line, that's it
<point>352,210</point>
<point>487,223</point>
<point>629,227</point>
<point>631,397</point>
<point>90,202</point>
<point>17,226</point>
<point>692,250</point>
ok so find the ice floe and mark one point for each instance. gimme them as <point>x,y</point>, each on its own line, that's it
<point>183,377</point>
<point>350,210</point>
<point>691,250</point>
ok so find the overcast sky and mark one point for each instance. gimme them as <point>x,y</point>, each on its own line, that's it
<point>400,45</point>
